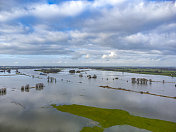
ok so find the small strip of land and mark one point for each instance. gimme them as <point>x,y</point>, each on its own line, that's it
<point>141,92</point>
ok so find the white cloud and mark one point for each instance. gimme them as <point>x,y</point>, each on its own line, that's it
<point>45,11</point>
<point>71,8</point>
<point>12,14</point>
<point>87,56</point>
<point>10,29</point>
<point>134,17</point>
<point>104,3</point>
<point>111,55</point>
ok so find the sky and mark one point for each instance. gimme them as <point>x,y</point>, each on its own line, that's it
<point>87,33</point>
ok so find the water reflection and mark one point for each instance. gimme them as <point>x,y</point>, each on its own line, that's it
<point>124,128</point>
<point>3,91</point>
<point>39,88</point>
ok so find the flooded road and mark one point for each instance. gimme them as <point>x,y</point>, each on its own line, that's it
<point>32,111</point>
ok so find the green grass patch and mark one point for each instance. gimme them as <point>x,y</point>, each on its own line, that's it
<point>92,129</point>
<point>112,117</point>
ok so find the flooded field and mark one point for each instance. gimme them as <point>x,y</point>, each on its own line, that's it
<point>39,109</point>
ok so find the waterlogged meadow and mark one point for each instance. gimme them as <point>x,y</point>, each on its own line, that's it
<point>112,117</point>
<point>73,102</point>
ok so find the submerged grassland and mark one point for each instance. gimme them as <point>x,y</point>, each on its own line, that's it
<point>153,71</point>
<point>112,117</point>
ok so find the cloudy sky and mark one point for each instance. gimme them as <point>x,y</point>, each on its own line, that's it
<point>88,32</point>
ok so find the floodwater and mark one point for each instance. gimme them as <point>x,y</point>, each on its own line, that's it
<point>31,110</point>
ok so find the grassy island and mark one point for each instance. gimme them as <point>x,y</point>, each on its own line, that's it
<point>49,70</point>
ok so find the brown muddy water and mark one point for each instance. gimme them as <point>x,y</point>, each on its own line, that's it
<point>26,111</point>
